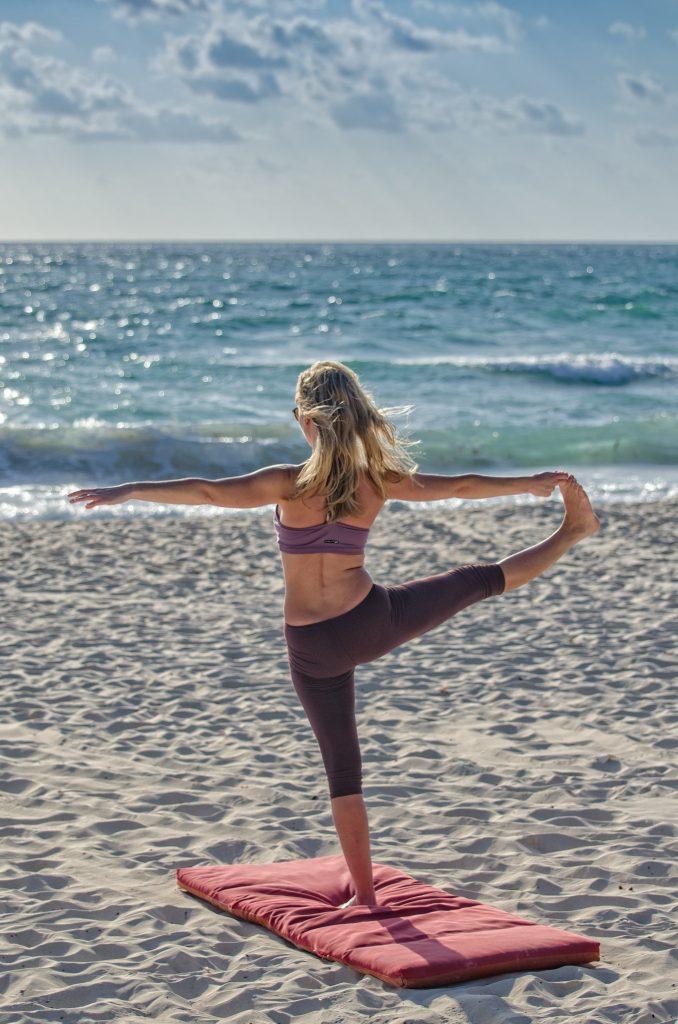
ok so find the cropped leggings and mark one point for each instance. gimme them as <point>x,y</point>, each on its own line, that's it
<point>322,655</point>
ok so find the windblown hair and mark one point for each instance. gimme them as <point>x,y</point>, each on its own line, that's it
<point>352,436</point>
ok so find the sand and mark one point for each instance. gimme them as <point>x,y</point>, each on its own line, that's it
<point>521,754</point>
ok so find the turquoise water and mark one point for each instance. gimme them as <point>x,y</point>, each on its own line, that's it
<point>150,361</point>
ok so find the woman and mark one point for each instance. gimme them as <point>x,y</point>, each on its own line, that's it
<point>335,616</point>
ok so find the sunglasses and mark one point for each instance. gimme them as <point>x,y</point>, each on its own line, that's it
<point>295,411</point>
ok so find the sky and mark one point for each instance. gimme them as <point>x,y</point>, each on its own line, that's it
<point>353,120</point>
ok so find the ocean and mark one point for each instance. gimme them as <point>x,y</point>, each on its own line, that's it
<point>151,361</point>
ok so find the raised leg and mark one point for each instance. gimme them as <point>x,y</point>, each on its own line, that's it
<point>580,521</point>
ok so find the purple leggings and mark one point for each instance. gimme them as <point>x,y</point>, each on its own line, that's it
<point>323,655</point>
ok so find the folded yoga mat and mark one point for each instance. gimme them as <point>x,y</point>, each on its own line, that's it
<point>418,938</point>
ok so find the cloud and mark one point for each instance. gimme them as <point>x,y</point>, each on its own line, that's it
<point>103,55</point>
<point>43,95</point>
<point>647,98</point>
<point>374,110</point>
<point>374,70</point>
<point>656,137</point>
<point>622,28</point>
<point>227,52</point>
<point>542,116</point>
<point>161,124</point>
<point>510,21</point>
<point>29,33</point>
<point>245,56</point>
<point>673,32</point>
<point>370,69</point>
<point>407,35</point>
<point>642,88</point>
<point>134,10</point>
<point>234,61</point>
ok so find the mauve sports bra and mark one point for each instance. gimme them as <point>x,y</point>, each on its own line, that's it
<point>337,537</point>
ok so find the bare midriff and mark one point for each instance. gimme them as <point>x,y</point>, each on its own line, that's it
<point>318,587</point>
<point>321,585</point>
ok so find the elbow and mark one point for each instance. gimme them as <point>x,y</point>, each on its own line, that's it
<point>464,486</point>
<point>205,494</point>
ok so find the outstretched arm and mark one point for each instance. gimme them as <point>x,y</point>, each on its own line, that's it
<point>435,487</point>
<point>262,487</point>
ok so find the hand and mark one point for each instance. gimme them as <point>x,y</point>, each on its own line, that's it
<point>543,484</point>
<point>101,495</point>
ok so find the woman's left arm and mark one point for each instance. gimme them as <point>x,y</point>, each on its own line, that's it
<point>436,487</point>
<point>542,484</point>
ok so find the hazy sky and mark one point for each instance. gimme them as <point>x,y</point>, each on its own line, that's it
<point>339,119</point>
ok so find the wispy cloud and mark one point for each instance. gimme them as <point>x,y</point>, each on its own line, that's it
<point>631,32</point>
<point>527,114</point>
<point>642,88</point>
<point>509,20</point>
<point>403,33</point>
<point>103,55</point>
<point>657,137</point>
<point>41,94</point>
<point>373,70</point>
<point>645,96</point>
<point>135,10</point>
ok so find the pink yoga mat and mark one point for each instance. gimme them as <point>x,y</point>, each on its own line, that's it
<point>419,937</point>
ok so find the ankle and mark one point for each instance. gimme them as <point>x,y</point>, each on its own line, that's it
<point>572,533</point>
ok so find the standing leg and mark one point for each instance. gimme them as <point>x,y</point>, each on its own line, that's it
<point>350,821</point>
<point>329,704</point>
<point>580,521</point>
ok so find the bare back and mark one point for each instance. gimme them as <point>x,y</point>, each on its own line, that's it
<point>320,586</point>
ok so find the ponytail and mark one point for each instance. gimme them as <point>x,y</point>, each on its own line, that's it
<point>353,435</point>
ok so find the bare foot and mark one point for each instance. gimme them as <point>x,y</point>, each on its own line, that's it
<point>580,518</point>
<point>354,902</point>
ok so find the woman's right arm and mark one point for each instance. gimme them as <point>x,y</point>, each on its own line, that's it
<point>191,490</point>
<point>250,490</point>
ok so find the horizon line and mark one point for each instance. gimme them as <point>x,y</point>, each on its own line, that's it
<point>341,241</point>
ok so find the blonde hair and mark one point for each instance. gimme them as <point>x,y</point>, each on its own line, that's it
<point>352,435</point>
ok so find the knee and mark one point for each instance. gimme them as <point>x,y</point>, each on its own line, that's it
<point>346,783</point>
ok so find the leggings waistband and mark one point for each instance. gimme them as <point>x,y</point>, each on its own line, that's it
<point>334,619</point>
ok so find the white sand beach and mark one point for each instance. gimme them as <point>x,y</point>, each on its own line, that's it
<point>522,754</point>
